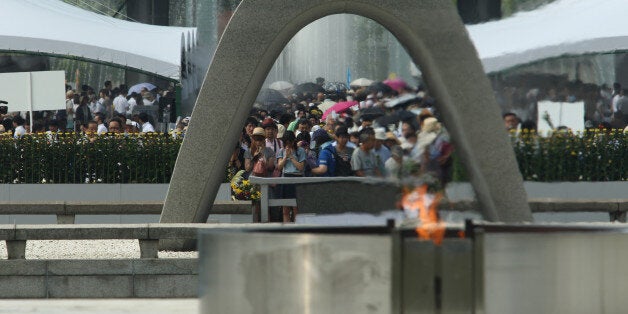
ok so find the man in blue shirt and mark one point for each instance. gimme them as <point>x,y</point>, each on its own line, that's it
<point>326,161</point>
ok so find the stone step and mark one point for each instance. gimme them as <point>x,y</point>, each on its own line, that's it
<point>123,278</point>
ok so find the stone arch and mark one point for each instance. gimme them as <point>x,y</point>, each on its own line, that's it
<point>435,38</point>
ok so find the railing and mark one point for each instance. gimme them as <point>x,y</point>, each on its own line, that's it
<point>266,201</point>
<point>67,211</point>
<point>147,234</point>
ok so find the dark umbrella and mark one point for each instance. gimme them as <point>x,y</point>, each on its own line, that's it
<point>310,88</point>
<point>335,86</point>
<point>395,117</point>
<point>403,100</point>
<point>269,96</point>
<point>371,113</point>
<point>379,87</point>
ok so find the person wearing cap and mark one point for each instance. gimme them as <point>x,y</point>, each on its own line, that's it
<point>394,164</point>
<point>364,161</point>
<point>259,160</point>
<point>382,152</point>
<point>434,150</point>
<point>270,131</point>
<point>131,126</point>
<point>391,140</point>
<point>259,151</point>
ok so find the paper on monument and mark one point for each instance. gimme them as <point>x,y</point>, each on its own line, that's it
<point>569,114</point>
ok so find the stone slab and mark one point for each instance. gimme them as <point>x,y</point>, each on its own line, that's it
<point>174,231</point>
<point>32,207</point>
<point>326,198</point>
<point>127,207</point>
<point>170,286</point>
<point>23,287</point>
<point>94,306</point>
<point>7,232</point>
<point>142,192</point>
<point>188,266</point>
<point>102,286</point>
<point>23,267</point>
<point>69,267</point>
<point>62,192</point>
<point>60,232</point>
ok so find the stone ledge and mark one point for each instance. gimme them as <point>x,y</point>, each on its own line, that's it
<point>95,286</point>
<point>80,232</point>
<point>109,208</point>
<point>130,278</point>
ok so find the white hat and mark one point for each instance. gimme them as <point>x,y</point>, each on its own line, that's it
<point>380,134</point>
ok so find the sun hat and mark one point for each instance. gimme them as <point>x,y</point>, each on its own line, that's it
<point>258,131</point>
<point>390,136</point>
<point>380,134</point>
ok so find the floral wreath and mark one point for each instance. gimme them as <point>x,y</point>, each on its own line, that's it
<point>242,189</point>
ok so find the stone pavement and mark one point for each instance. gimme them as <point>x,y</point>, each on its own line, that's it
<point>100,306</point>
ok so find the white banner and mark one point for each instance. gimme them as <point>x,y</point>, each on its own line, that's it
<point>569,114</point>
<point>44,90</point>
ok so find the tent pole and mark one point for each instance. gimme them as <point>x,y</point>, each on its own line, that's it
<point>30,99</point>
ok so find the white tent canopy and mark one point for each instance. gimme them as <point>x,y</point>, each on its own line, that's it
<point>563,27</point>
<point>52,27</point>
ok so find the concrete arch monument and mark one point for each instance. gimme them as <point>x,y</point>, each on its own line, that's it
<point>438,43</point>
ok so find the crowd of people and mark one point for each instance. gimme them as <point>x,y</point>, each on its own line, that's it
<point>110,110</point>
<point>604,106</point>
<point>387,130</point>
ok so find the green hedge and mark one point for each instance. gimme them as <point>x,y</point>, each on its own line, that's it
<point>589,156</point>
<point>72,158</point>
<point>150,158</point>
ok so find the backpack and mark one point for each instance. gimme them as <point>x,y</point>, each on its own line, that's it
<point>343,168</point>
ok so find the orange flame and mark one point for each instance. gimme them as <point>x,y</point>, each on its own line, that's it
<point>431,227</point>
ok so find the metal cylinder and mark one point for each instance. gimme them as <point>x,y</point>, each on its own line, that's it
<point>294,273</point>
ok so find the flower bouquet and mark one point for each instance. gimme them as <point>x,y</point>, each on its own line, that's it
<point>242,189</point>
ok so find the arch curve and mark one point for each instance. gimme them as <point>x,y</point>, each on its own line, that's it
<point>436,40</point>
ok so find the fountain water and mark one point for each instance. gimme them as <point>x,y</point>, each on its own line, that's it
<point>337,44</point>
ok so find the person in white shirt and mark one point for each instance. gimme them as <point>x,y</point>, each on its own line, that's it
<point>18,124</point>
<point>120,104</point>
<point>99,118</point>
<point>148,98</point>
<point>132,104</point>
<point>69,108</point>
<point>145,122</point>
